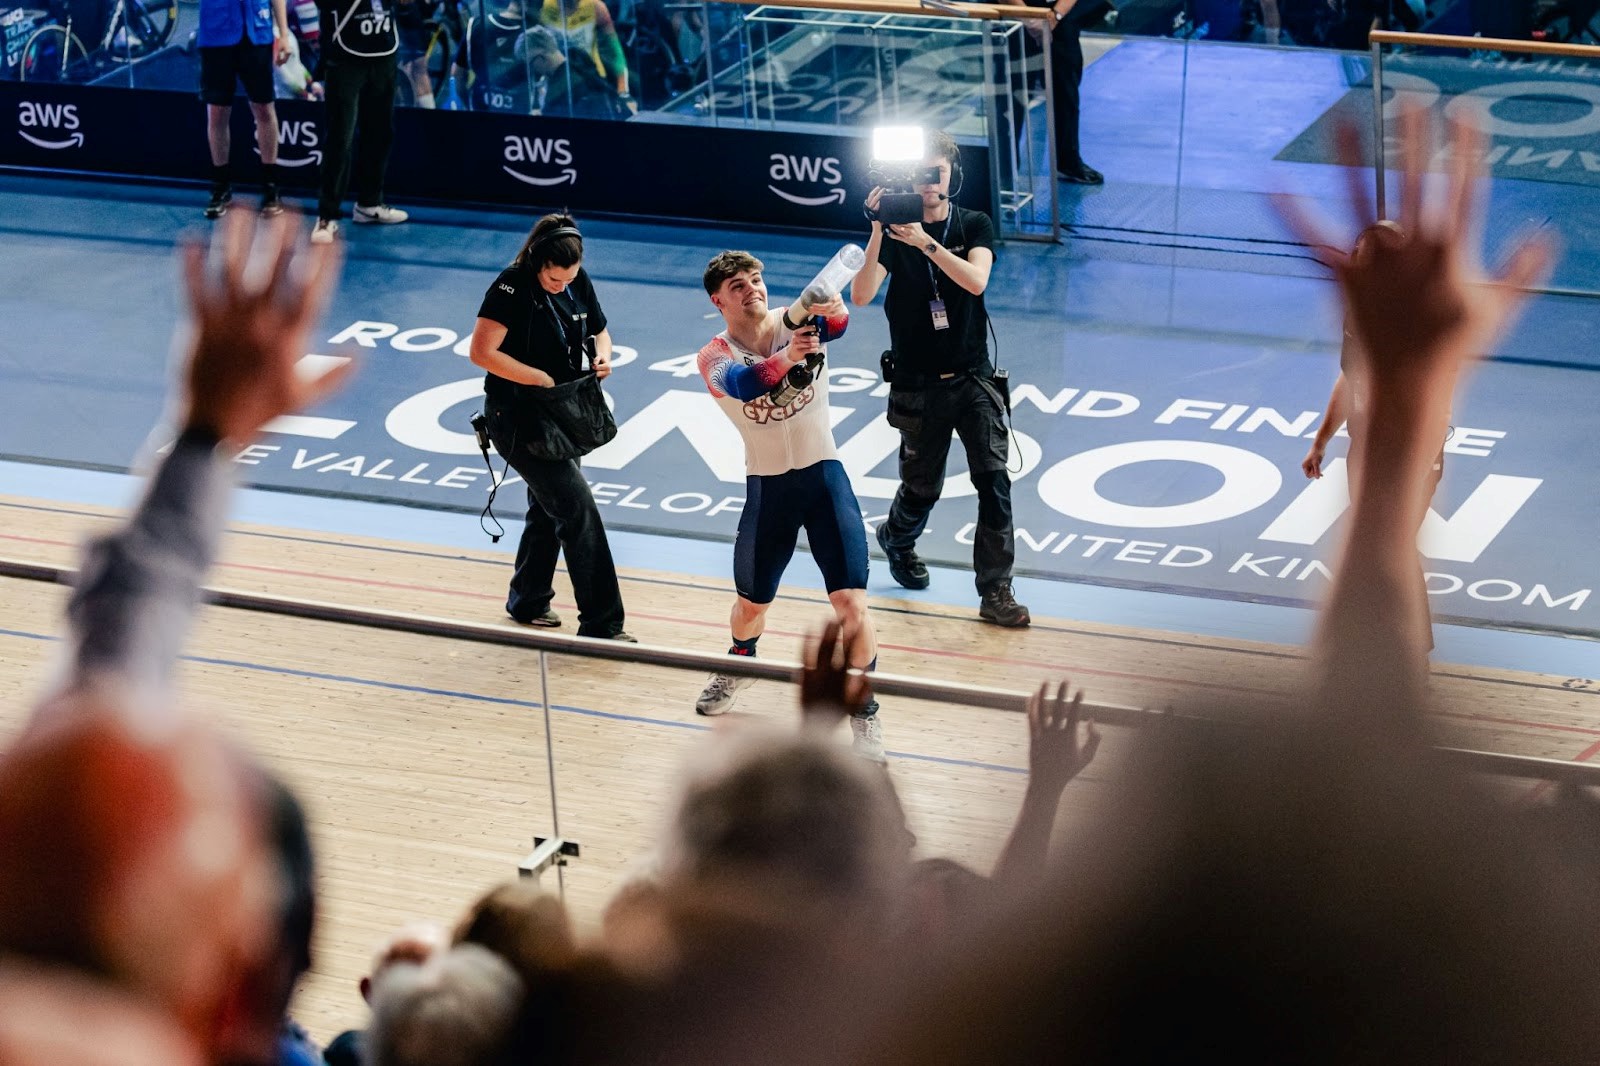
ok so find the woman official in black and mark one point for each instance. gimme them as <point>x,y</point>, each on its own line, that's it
<point>539,321</point>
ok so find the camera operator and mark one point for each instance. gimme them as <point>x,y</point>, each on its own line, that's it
<point>537,321</point>
<point>941,377</point>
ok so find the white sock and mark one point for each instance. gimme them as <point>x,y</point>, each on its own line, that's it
<point>425,100</point>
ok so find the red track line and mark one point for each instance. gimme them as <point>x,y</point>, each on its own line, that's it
<point>1545,786</point>
<point>1512,721</point>
<point>678,620</point>
<point>911,648</point>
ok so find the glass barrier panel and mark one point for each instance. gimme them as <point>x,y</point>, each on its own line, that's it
<point>1541,119</point>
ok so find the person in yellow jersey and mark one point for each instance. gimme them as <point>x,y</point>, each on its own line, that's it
<point>586,26</point>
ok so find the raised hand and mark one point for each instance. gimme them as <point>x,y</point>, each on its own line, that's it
<point>254,295</point>
<point>1057,751</point>
<point>1416,289</point>
<point>828,691</point>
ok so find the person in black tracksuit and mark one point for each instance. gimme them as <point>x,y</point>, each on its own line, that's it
<point>358,68</point>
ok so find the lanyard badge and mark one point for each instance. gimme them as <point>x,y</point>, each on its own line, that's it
<point>936,308</point>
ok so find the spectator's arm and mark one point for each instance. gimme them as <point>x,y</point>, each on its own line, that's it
<point>609,43</point>
<point>140,585</point>
<point>1056,754</point>
<point>1422,308</point>
<point>282,46</point>
<point>829,691</point>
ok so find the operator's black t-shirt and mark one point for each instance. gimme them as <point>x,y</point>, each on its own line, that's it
<point>543,330</point>
<point>919,347</point>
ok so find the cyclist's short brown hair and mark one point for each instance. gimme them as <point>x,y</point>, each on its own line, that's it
<point>725,265</point>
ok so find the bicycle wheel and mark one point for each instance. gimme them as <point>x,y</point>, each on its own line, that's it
<point>152,23</point>
<point>53,55</point>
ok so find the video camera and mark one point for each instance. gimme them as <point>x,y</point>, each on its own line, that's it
<point>898,166</point>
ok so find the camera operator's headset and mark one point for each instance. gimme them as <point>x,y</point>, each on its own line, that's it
<point>480,424</point>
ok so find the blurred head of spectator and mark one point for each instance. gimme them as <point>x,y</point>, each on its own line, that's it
<point>523,925</point>
<point>456,1009</point>
<point>136,850</point>
<point>789,829</point>
<point>414,943</point>
<point>51,1016</point>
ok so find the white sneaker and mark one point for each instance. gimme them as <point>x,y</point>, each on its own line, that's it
<point>383,213</point>
<point>867,737</point>
<point>719,694</point>
<point>324,231</point>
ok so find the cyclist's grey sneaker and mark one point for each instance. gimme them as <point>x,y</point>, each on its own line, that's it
<point>719,694</point>
<point>325,231</point>
<point>382,213</point>
<point>867,735</point>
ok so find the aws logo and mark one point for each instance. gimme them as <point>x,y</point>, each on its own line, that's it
<point>811,170</point>
<point>299,144</point>
<point>60,120</point>
<point>543,152</point>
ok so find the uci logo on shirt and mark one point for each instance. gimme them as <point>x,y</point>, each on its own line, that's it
<point>810,170</point>
<point>530,152</point>
<point>55,126</point>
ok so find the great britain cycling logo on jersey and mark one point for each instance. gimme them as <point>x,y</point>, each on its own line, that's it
<point>53,126</point>
<point>809,171</point>
<point>549,158</point>
<point>762,410</point>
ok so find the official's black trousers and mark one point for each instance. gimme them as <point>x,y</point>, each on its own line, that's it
<point>562,517</point>
<point>1066,76</point>
<point>360,97</point>
<point>926,417</point>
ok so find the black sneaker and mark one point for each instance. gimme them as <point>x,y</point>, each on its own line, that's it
<point>221,197</point>
<point>1082,174</point>
<point>271,202</point>
<point>1001,607</point>
<point>904,566</point>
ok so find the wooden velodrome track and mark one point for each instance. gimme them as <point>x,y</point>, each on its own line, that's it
<point>422,760</point>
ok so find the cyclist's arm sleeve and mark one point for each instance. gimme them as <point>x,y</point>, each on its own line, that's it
<point>833,326</point>
<point>727,376</point>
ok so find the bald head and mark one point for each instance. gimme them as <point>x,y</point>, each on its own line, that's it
<point>135,851</point>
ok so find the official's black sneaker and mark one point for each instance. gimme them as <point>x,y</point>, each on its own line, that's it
<point>904,566</point>
<point>271,201</point>
<point>1001,607</point>
<point>221,197</point>
<point>1082,174</point>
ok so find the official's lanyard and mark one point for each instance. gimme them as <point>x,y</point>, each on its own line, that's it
<point>933,271</point>
<point>573,346</point>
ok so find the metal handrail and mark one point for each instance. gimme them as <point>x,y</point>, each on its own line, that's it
<point>1378,38</point>
<point>1494,763</point>
<point>1483,44</point>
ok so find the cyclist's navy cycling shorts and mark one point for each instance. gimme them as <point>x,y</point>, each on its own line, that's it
<point>817,499</point>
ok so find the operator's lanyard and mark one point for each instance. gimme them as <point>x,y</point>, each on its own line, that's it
<point>933,271</point>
